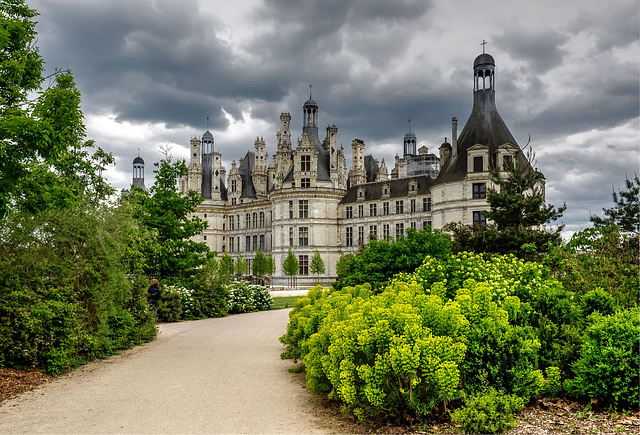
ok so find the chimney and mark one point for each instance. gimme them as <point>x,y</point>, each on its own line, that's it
<point>454,136</point>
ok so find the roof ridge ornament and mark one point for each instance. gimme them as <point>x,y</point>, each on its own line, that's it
<point>483,44</point>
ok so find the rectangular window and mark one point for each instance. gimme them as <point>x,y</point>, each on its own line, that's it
<point>305,163</point>
<point>426,204</point>
<point>478,164</point>
<point>303,260</point>
<point>413,206</point>
<point>254,220</point>
<point>349,212</point>
<point>233,202</point>
<point>385,208</point>
<point>305,182</point>
<point>373,209</point>
<point>479,219</point>
<point>413,225</point>
<point>291,236</point>
<point>361,210</point>
<point>373,231</point>
<point>249,266</point>
<point>426,224</point>
<point>399,207</point>
<point>248,244</point>
<point>247,221</point>
<point>303,236</point>
<point>233,186</point>
<point>349,238</point>
<point>303,208</point>
<point>205,238</point>
<point>255,243</point>
<point>385,231</point>
<point>360,235</point>
<point>232,222</point>
<point>479,191</point>
<point>262,242</point>
<point>399,230</point>
<point>231,240</point>
<point>290,209</point>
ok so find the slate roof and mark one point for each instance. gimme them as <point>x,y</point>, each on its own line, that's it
<point>399,188</point>
<point>245,169</point>
<point>371,168</point>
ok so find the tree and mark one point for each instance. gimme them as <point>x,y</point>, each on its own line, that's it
<point>291,267</point>
<point>43,163</point>
<point>518,202</point>
<point>226,265</point>
<point>626,212</point>
<point>381,259</point>
<point>271,264</point>
<point>166,213</point>
<point>317,265</point>
<point>259,264</point>
<point>241,266</point>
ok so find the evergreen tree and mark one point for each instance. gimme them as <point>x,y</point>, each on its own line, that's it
<point>226,265</point>
<point>317,265</point>
<point>291,267</point>
<point>518,202</point>
<point>626,212</point>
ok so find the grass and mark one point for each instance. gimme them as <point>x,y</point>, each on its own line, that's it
<point>280,302</point>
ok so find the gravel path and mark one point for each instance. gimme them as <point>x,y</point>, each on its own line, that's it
<point>208,376</point>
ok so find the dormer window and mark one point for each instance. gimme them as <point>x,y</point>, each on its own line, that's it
<point>478,164</point>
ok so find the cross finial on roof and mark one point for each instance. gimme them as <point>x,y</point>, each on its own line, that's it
<point>483,44</point>
<point>309,91</point>
<point>409,126</point>
<point>138,152</point>
<point>207,123</point>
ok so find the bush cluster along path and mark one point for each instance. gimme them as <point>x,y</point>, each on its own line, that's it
<point>209,376</point>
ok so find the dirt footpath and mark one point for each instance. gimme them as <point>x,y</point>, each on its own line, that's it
<point>207,376</point>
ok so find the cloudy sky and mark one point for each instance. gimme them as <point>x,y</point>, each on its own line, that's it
<point>152,71</point>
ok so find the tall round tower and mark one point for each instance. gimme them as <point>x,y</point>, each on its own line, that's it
<point>207,163</point>
<point>138,172</point>
<point>410,141</point>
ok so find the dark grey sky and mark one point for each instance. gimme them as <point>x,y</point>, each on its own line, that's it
<point>152,71</point>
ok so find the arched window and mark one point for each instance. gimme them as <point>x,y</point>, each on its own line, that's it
<point>255,220</point>
<point>261,219</point>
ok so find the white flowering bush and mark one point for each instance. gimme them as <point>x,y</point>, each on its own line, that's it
<point>245,297</point>
<point>186,300</point>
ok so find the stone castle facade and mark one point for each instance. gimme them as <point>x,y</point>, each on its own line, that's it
<point>305,199</point>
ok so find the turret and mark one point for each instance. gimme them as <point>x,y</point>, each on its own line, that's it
<point>138,172</point>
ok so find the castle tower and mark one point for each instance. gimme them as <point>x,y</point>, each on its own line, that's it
<point>410,141</point>
<point>310,119</point>
<point>357,174</point>
<point>383,174</point>
<point>259,172</point>
<point>207,164</point>
<point>138,172</point>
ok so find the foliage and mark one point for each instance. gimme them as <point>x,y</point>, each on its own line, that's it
<point>291,266</point>
<point>226,267</point>
<point>600,257</point>
<point>626,212</point>
<point>517,201</point>
<point>491,412</point>
<point>210,292</point>
<point>241,267</point>
<point>380,260</point>
<point>317,264</point>
<point>608,366</point>
<point>65,295</point>
<point>552,384</point>
<point>170,305</point>
<point>43,159</point>
<point>530,244</point>
<point>245,297</point>
<point>270,264</point>
<point>166,212</point>
<point>259,264</point>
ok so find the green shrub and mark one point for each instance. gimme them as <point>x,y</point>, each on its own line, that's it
<point>598,300</point>
<point>170,306</point>
<point>491,412</point>
<point>552,384</point>
<point>608,366</point>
